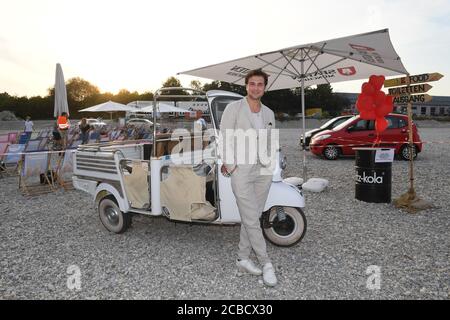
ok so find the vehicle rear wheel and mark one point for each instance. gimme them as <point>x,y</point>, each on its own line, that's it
<point>331,152</point>
<point>111,217</point>
<point>404,152</point>
<point>288,232</point>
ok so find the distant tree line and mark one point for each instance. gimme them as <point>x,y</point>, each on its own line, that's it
<point>289,100</point>
<point>82,94</point>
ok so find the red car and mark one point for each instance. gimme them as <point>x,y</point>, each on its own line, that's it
<point>357,132</point>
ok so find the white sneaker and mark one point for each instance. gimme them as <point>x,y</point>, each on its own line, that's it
<point>247,266</point>
<point>269,275</point>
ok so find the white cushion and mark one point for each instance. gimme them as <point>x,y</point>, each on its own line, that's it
<point>296,181</point>
<point>315,185</point>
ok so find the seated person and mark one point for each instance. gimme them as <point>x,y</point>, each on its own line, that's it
<point>84,131</point>
<point>57,138</point>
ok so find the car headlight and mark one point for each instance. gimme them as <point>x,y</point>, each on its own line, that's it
<point>283,161</point>
<point>322,137</point>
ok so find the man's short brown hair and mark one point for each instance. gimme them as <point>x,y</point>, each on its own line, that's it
<point>259,73</point>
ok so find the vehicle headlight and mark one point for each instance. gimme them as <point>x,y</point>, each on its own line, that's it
<point>322,137</point>
<point>283,161</point>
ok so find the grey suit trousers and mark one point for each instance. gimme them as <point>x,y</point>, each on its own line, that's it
<point>251,190</point>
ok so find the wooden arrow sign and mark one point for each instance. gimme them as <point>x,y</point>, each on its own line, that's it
<point>419,78</point>
<point>419,98</point>
<point>401,91</point>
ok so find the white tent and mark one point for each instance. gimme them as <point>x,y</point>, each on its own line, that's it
<point>60,93</point>
<point>343,59</point>
<point>163,108</point>
<point>109,106</point>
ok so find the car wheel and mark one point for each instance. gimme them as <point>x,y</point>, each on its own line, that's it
<point>404,152</point>
<point>288,232</point>
<point>111,217</point>
<point>331,152</point>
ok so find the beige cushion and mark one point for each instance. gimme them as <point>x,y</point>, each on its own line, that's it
<point>183,194</point>
<point>136,185</point>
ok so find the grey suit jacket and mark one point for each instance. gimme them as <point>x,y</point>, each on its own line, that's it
<point>237,115</point>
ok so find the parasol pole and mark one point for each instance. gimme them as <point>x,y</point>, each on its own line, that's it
<point>302,61</point>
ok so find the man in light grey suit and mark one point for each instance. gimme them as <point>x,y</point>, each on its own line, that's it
<point>249,183</point>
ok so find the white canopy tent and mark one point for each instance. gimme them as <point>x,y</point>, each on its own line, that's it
<point>343,59</point>
<point>109,106</point>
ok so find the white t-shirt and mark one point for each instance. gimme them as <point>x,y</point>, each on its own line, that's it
<point>258,120</point>
<point>29,126</point>
<point>201,123</point>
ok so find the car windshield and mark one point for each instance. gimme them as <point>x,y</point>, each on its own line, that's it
<point>327,124</point>
<point>344,124</point>
<point>339,121</point>
<point>219,104</point>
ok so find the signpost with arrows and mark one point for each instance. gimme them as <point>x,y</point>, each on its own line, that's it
<point>411,94</point>
<point>419,78</point>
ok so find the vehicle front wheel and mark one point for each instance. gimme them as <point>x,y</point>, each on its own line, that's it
<point>404,152</point>
<point>331,152</point>
<point>111,217</point>
<point>287,232</point>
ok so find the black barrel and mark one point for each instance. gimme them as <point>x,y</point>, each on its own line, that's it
<point>373,179</point>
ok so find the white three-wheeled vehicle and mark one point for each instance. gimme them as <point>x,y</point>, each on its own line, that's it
<point>141,176</point>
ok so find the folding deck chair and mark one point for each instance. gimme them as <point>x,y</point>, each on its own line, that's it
<point>94,137</point>
<point>12,157</point>
<point>44,144</point>
<point>3,147</point>
<point>23,138</point>
<point>74,144</point>
<point>12,137</point>
<point>33,145</point>
<point>45,134</point>
<point>35,177</point>
<point>64,169</point>
<point>104,138</point>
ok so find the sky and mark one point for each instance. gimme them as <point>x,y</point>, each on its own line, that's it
<point>137,44</point>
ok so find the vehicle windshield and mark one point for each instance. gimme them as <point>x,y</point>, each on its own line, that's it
<point>218,105</point>
<point>344,124</point>
<point>333,123</point>
<point>327,124</point>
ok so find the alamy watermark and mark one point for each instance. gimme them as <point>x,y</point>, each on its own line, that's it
<point>374,280</point>
<point>74,278</point>
<point>234,146</point>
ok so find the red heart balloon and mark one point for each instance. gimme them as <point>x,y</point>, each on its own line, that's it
<point>389,101</point>
<point>379,98</point>
<point>367,115</point>
<point>367,88</point>
<point>386,108</point>
<point>376,81</point>
<point>365,102</point>
<point>380,124</point>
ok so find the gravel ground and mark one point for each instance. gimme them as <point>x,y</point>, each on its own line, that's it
<point>41,237</point>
